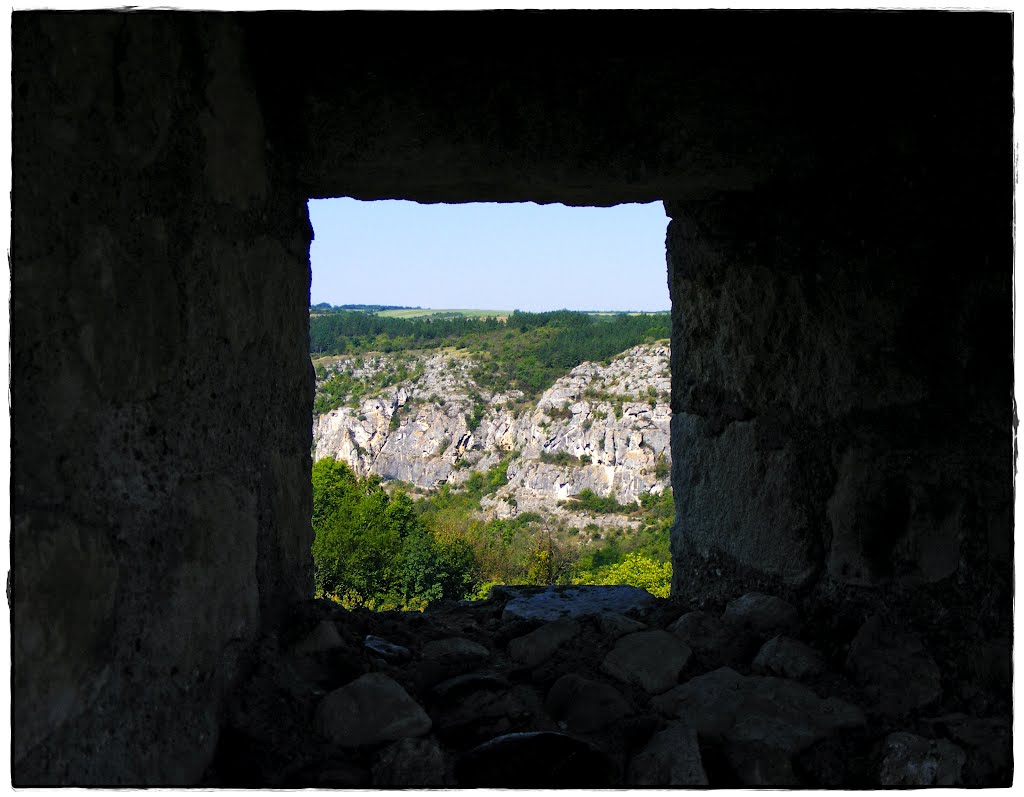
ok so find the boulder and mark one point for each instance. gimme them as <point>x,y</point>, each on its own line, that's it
<point>323,637</point>
<point>373,708</point>
<point>461,685</point>
<point>910,760</point>
<point>649,659</point>
<point>725,706</point>
<point>714,641</point>
<point>538,646</point>
<point>893,668</point>
<point>387,650</point>
<point>410,762</point>
<point>670,758</point>
<point>585,705</point>
<point>613,625</point>
<point>763,615</point>
<point>456,653</point>
<point>537,760</point>
<point>787,657</point>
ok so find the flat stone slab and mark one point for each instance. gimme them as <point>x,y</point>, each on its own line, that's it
<point>557,603</point>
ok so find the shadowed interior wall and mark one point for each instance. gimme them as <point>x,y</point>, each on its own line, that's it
<point>161,391</point>
<point>839,261</point>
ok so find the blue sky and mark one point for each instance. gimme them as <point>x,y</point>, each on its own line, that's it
<point>489,256</point>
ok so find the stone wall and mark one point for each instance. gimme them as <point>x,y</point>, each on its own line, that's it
<point>840,187</point>
<point>160,291</point>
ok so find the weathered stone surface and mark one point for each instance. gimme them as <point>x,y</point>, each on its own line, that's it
<point>788,658</point>
<point>485,713</point>
<point>324,636</point>
<point>715,642</point>
<point>911,760</point>
<point>763,615</point>
<point>554,603</point>
<point>726,706</point>
<point>585,705</point>
<point>410,762</point>
<point>752,490</point>
<point>388,651</point>
<point>671,758</point>
<point>456,652</point>
<point>892,518</point>
<point>535,760</point>
<point>373,708</point>
<point>988,743</point>
<point>461,685</point>
<point>539,645</point>
<point>760,765</point>
<point>650,659</point>
<point>613,625</point>
<point>893,668</point>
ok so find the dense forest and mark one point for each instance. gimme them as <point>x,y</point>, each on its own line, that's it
<point>526,352</point>
<point>382,549</point>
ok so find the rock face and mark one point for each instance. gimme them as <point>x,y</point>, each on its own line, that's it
<point>610,423</point>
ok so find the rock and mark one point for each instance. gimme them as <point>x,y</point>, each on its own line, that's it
<point>585,705</point>
<point>555,603</point>
<point>760,765</point>
<point>671,758</point>
<point>763,615</point>
<point>323,637</point>
<point>331,775</point>
<point>538,646</point>
<point>373,708</point>
<point>537,760</point>
<point>987,742</point>
<point>430,434</point>
<point>387,650</point>
<point>410,762</point>
<point>485,713</point>
<point>788,658</point>
<point>456,653</point>
<point>461,685</point>
<point>911,760</point>
<point>725,706</point>
<point>714,641</point>
<point>613,625</point>
<point>893,668</point>
<point>650,659</point>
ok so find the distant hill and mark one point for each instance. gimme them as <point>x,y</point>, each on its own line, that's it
<point>523,351</point>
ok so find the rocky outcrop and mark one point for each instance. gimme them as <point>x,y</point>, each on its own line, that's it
<point>602,427</point>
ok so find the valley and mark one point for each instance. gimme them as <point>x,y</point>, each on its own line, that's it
<point>565,482</point>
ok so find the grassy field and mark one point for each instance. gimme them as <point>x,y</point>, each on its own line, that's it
<point>429,311</point>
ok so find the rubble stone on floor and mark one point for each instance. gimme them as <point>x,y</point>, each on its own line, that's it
<point>479,700</point>
<point>373,708</point>
<point>911,760</point>
<point>893,668</point>
<point>670,758</point>
<point>650,659</point>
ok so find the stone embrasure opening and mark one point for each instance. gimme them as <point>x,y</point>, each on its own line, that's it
<point>459,449</point>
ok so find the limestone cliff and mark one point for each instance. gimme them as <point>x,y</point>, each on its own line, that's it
<point>602,427</point>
